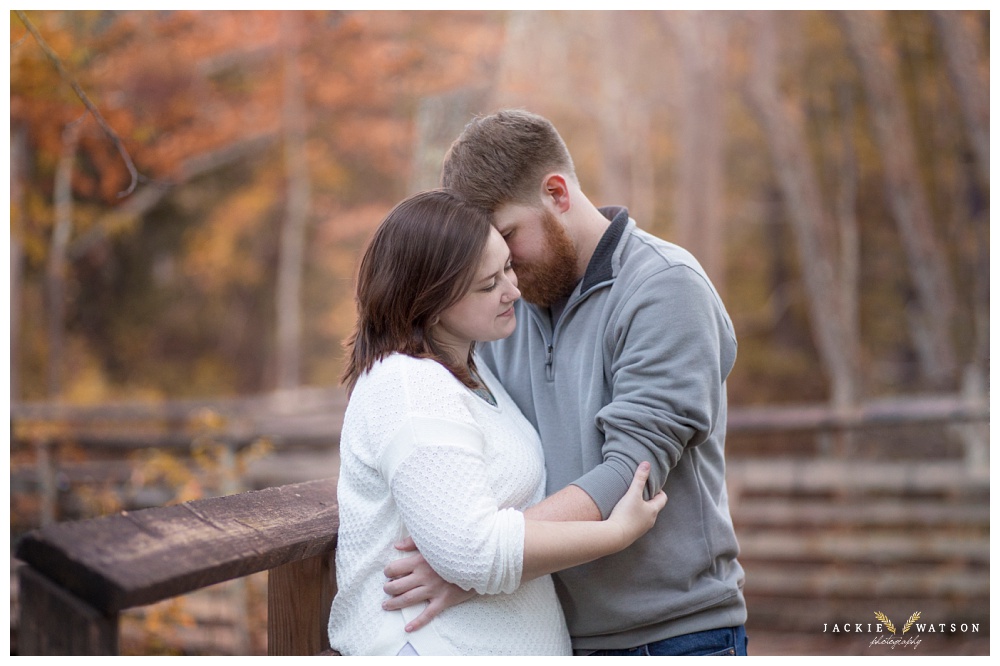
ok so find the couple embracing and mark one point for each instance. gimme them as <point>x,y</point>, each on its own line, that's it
<point>531,376</point>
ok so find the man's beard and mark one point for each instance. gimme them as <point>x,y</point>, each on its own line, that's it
<point>547,281</point>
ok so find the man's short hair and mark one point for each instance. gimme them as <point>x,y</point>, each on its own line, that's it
<point>502,158</point>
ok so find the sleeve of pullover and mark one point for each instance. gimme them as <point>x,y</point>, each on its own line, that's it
<point>672,348</point>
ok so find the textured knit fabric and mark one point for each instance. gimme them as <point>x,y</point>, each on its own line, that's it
<point>635,369</point>
<point>422,455</point>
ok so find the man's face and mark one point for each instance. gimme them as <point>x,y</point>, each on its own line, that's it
<point>543,254</point>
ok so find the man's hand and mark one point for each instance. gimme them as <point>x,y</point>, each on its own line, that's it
<point>411,581</point>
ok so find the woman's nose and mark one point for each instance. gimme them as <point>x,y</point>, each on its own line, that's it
<point>512,293</point>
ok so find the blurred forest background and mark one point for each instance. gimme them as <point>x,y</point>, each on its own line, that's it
<point>190,192</point>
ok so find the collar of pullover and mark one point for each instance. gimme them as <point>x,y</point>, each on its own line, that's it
<point>600,267</point>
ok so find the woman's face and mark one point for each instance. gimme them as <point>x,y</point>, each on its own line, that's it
<point>486,311</point>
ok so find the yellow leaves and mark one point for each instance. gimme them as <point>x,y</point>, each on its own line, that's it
<point>88,385</point>
<point>209,468</point>
<point>223,250</point>
<point>206,419</point>
<point>154,629</point>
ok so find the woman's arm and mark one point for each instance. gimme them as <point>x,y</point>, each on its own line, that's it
<point>549,546</point>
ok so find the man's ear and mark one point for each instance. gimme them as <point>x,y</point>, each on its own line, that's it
<point>556,192</point>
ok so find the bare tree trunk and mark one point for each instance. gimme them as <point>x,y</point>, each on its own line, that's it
<point>18,158</point>
<point>439,121</point>
<point>702,39</point>
<point>626,160</point>
<point>55,270</point>
<point>784,128</point>
<point>55,299</point>
<point>615,161</point>
<point>927,263</point>
<point>643,192</point>
<point>523,51</point>
<point>292,252</point>
<point>969,69</point>
<point>850,252</point>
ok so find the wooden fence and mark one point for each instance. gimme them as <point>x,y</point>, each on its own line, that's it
<point>823,539</point>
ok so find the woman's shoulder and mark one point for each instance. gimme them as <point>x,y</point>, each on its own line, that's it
<point>400,368</point>
<point>418,380</point>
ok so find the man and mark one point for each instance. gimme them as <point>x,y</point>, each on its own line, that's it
<point>620,355</point>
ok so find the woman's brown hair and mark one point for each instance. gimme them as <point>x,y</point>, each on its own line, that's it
<point>421,260</point>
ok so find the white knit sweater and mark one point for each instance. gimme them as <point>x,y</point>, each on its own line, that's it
<point>422,455</point>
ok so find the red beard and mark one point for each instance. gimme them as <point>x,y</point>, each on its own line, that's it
<point>545,282</point>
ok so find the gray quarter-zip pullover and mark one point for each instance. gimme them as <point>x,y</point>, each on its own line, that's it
<point>635,369</point>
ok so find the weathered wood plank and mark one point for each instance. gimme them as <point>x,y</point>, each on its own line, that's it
<point>296,401</point>
<point>309,414</point>
<point>808,475</point>
<point>822,546</point>
<point>859,512</point>
<point>299,595</point>
<point>885,582</point>
<point>137,558</point>
<point>301,416</point>
<point>54,622</point>
<point>946,408</point>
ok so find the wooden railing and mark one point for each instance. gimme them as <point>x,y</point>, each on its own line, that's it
<point>821,538</point>
<point>79,576</point>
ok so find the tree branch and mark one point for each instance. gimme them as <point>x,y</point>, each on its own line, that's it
<point>71,80</point>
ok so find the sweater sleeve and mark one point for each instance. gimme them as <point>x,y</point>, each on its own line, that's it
<point>437,477</point>
<point>672,348</point>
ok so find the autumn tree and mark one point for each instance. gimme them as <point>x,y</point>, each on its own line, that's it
<point>177,285</point>
<point>935,306</point>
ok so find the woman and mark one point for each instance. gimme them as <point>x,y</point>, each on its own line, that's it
<point>433,448</point>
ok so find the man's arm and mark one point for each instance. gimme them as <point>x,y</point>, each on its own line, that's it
<point>671,348</point>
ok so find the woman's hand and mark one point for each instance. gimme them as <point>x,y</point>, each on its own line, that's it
<point>412,581</point>
<point>634,515</point>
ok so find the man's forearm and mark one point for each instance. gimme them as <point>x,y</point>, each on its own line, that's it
<point>570,503</point>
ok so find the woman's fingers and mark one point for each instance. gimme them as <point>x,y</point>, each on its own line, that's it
<point>428,614</point>
<point>407,599</point>
<point>404,566</point>
<point>448,596</point>
<point>641,475</point>
<point>399,586</point>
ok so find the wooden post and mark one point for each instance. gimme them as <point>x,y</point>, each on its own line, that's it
<point>47,490</point>
<point>299,595</point>
<point>238,597</point>
<point>137,558</point>
<point>54,622</point>
<point>975,435</point>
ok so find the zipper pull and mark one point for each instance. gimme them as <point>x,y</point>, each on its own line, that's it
<point>548,363</point>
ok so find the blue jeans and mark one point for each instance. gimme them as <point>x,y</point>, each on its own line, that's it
<point>731,641</point>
